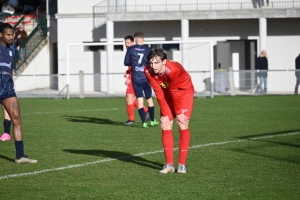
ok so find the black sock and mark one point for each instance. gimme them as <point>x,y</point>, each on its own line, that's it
<point>6,124</point>
<point>19,149</point>
<point>142,114</point>
<point>151,112</point>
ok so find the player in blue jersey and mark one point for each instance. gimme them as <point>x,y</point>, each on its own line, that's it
<point>8,97</point>
<point>136,57</point>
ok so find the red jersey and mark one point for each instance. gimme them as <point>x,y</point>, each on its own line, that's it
<point>128,71</point>
<point>174,83</point>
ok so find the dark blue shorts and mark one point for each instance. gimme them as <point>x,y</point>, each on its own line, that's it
<point>11,94</point>
<point>139,88</point>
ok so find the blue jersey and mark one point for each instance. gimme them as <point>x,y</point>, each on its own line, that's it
<point>136,57</point>
<point>7,55</point>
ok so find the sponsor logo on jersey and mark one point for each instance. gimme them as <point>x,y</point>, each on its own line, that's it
<point>165,84</point>
<point>10,53</point>
<point>139,69</point>
<point>139,49</point>
<point>5,64</point>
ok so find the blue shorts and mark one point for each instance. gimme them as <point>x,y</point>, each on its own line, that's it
<point>9,95</point>
<point>139,88</point>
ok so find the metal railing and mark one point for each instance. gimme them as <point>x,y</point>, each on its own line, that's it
<point>226,82</point>
<point>19,21</point>
<point>140,6</point>
<point>29,45</point>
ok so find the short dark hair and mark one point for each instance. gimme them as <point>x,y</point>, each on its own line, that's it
<point>5,26</point>
<point>129,37</point>
<point>157,53</point>
<point>139,34</point>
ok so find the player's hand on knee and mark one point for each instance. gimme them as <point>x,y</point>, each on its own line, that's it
<point>182,119</point>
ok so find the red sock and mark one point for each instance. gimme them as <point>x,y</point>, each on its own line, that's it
<point>145,109</point>
<point>184,142</point>
<point>168,144</point>
<point>136,106</point>
<point>135,103</point>
<point>130,111</point>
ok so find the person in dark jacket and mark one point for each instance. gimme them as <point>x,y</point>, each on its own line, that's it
<point>262,66</point>
<point>297,73</point>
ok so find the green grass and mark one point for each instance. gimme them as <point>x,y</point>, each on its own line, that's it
<point>241,148</point>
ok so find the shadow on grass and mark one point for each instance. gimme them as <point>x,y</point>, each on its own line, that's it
<point>117,155</point>
<point>7,158</point>
<point>96,120</point>
<point>273,156</point>
<point>263,138</point>
<point>268,134</point>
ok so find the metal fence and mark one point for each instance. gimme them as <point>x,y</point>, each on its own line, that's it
<point>109,6</point>
<point>30,44</point>
<point>243,82</point>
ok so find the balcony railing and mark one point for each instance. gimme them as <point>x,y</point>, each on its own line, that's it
<point>29,45</point>
<point>165,6</point>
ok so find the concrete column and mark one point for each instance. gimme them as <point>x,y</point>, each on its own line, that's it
<point>81,84</point>
<point>184,37</point>
<point>262,34</point>
<point>109,56</point>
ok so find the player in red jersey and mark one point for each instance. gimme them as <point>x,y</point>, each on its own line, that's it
<point>175,94</point>
<point>131,101</point>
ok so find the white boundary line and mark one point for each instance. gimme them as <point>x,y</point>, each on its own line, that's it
<point>139,155</point>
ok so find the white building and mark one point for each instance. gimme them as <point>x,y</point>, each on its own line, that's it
<point>234,26</point>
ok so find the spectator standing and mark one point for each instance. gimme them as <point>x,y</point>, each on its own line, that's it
<point>297,73</point>
<point>260,3</point>
<point>256,3</point>
<point>262,66</point>
<point>263,4</point>
<point>20,36</point>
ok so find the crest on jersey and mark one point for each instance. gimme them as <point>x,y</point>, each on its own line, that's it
<point>165,84</point>
<point>10,53</point>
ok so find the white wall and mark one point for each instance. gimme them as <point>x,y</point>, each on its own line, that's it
<point>76,6</point>
<point>283,39</point>
<point>37,67</point>
<point>72,31</point>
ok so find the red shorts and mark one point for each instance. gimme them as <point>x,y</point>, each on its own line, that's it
<point>186,104</point>
<point>130,89</point>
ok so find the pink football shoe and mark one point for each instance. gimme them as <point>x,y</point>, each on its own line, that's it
<point>5,137</point>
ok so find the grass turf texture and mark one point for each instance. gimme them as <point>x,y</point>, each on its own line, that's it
<point>224,161</point>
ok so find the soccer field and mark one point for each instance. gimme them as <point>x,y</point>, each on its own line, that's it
<point>241,148</point>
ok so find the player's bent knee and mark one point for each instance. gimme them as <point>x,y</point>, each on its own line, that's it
<point>166,126</point>
<point>182,126</point>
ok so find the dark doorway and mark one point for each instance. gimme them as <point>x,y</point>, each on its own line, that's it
<point>54,68</point>
<point>245,52</point>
